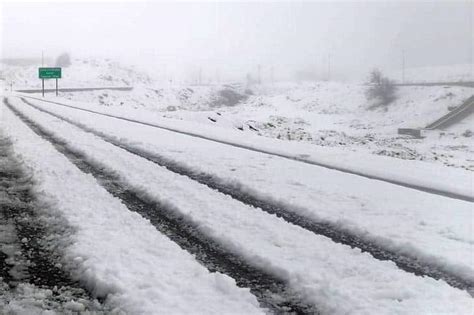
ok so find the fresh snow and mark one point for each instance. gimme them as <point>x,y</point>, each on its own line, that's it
<point>335,277</point>
<point>116,253</point>
<point>409,171</point>
<point>409,221</point>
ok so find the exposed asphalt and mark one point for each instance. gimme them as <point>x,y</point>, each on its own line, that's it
<point>29,254</point>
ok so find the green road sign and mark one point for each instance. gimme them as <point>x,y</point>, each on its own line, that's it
<point>49,73</point>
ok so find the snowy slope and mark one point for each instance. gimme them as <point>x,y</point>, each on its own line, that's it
<point>82,73</point>
<point>322,113</point>
<point>148,93</point>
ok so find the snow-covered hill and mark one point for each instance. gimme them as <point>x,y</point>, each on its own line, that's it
<point>321,113</point>
<point>336,114</point>
<point>82,73</point>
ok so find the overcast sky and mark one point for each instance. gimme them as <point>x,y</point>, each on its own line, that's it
<point>234,37</point>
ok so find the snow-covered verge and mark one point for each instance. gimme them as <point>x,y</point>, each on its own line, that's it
<point>336,278</point>
<point>115,253</point>
<point>402,219</point>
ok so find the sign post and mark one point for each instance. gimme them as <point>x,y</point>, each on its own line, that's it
<point>49,73</point>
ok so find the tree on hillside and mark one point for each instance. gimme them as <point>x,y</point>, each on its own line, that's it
<point>63,60</point>
<point>375,76</point>
<point>381,90</point>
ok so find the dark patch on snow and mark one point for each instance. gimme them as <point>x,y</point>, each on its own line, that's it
<point>31,273</point>
<point>252,128</point>
<point>227,97</point>
<point>468,133</point>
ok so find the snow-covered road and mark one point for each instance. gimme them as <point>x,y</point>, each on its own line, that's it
<point>404,260</point>
<point>31,277</point>
<point>219,192</point>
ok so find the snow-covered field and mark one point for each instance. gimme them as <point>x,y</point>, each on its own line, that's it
<point>447,73</point>
<point>265,142</point>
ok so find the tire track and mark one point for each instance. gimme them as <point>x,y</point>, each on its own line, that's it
<point>411,264</point>
<point>271,291</point>
<point>26,257</point>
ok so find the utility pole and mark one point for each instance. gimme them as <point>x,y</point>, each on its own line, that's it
<point>272,75</point>
<point>471,53</point>
<point>329,67</point>
<point>259,67</point>
<point>403,66</point>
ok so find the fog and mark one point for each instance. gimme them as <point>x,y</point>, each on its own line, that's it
<point>339,40</point>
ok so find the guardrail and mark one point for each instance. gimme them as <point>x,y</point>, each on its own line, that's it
<point>454,116</point>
